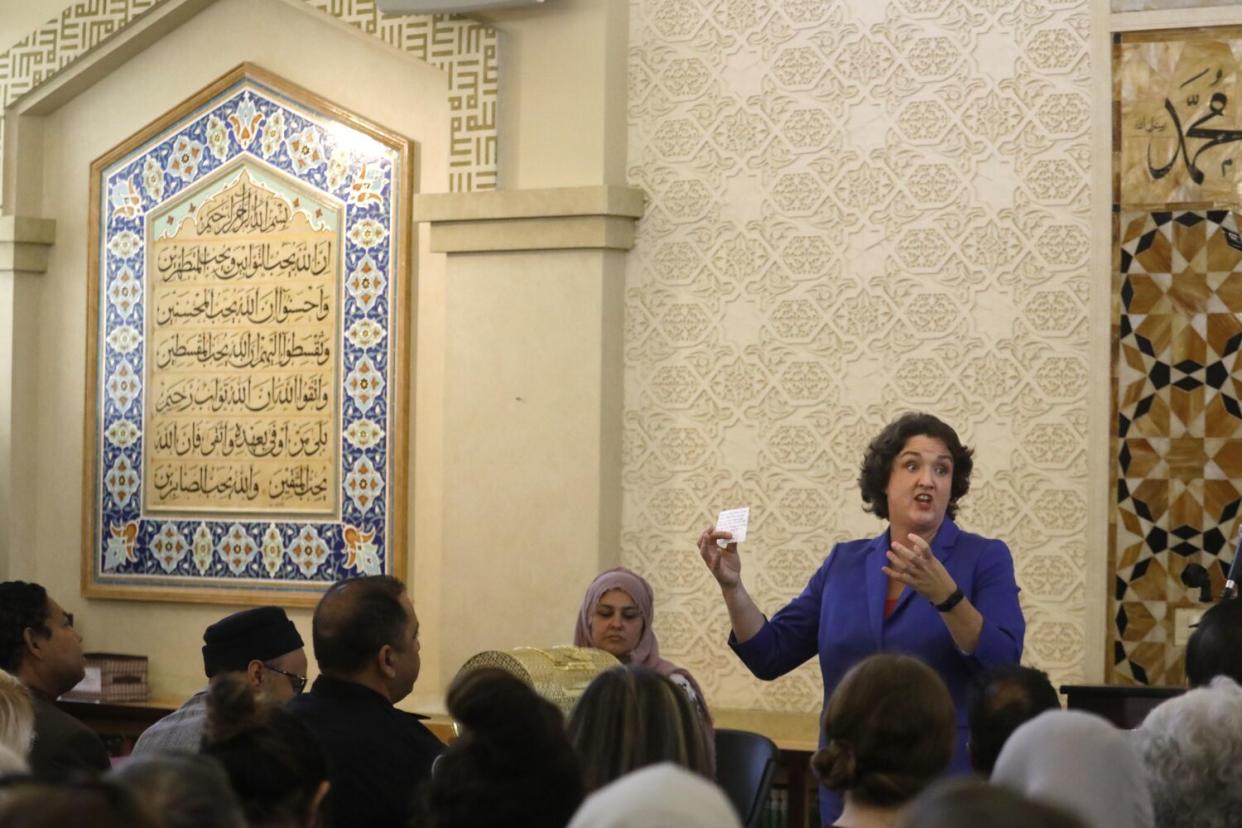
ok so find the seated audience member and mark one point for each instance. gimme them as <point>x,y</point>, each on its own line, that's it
<point>39,646</point>
<point>660,796</point>
<point>1215,646</point>
<point>16,717</point>
<point>962,803</point>
<point>274,764</point>
<point>181,791</point>
<point>615,616</point>
<point>365,637</point>
<point>12,763</point>
<point>512,764</point>
<point>631,717</point>
<point>889,730</point>
<point>1081,763</point>
<point>261,644</point>
<point>97,804</point>
<point>1002,699</point>
<point>1192,747</point>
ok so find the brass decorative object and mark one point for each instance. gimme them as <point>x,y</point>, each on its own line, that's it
<point>559,674</point>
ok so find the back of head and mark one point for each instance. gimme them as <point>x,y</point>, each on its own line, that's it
<point>182,790</point>
<point>16,715</point>
<point>660,796</point>
<point>12,763</point>
<point>99,804</point>
<point>1215,647</point>
<point>630,717</point>
<point>1002,700</point>
<point>354,619</point>
<point>1192,747</point>
<point>889,729</point>
<point>257,634</point>
<point>274,765</point>
<point>513,763</point>
<point>22,605</point>
<point>968,802</point>
<point>1081,763</point>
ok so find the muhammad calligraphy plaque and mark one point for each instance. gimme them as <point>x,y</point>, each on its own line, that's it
<point>1180,128</point>
<point>247,392</point>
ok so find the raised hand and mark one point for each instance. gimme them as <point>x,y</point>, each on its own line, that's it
<point>724,563</point>
<point>913,564</point>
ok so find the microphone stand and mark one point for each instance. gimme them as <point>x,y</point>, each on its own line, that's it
<point>1235,573</point>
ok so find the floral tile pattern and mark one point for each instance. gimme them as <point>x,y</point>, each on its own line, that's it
<point>250,127</point>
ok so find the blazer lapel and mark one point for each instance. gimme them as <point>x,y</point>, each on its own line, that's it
<point>877,586</point>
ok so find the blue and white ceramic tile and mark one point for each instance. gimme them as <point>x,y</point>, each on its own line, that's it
<point>344,166</point>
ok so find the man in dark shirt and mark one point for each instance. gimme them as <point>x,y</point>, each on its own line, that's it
<point>39,646</point>
<point>365,637</point>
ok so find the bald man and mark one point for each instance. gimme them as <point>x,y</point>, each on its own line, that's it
<point>365,635</point>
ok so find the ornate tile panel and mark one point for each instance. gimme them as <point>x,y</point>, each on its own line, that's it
<point>246,423</point>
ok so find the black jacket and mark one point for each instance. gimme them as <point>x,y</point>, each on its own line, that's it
<point>62,744</point>
<point>377,755</point>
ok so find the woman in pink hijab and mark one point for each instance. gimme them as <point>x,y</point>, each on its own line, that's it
<point>616,616</point>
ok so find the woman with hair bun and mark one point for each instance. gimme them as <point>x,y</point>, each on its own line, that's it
<point>512,765</point>
<point>274,763</point>
<point>888,731</point>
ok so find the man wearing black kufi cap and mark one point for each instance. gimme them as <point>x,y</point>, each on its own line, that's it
<point>260,643</point>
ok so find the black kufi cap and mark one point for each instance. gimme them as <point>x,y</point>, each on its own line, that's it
<point>261,633</point>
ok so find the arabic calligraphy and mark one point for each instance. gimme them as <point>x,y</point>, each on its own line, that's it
<point>241,356</point>
<point>1181,131</point>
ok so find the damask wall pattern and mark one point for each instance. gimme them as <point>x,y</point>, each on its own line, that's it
<point>466,50</point>
<point>855,208</point>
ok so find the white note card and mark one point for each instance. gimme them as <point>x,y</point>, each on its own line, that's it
<point>735,521</point>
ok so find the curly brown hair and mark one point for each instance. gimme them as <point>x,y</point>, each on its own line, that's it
<point>877,464</point>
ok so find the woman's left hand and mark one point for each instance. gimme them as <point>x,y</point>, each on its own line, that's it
<point>914,565</point>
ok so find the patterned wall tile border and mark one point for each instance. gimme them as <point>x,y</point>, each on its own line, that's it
<point>466,50</point>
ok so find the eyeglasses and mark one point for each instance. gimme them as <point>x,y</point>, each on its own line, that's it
<point>298,682</point>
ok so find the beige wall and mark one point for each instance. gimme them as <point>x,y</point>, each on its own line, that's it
<point>531,486</point>
<point>562,102</point>
<point>379,83</point>
<point>19,18</point>
<point>855,209</point>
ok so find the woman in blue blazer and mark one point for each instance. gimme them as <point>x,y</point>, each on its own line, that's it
<point>923,587</point>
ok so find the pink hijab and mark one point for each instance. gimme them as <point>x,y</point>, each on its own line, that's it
<point>647,652</point>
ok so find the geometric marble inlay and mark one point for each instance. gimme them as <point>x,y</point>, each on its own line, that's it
<point>1177,426</point>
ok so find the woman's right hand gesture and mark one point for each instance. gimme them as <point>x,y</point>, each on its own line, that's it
<point>723,562</point>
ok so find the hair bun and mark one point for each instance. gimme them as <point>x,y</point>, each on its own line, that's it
<point>835,765</point>
<point>232,708</point>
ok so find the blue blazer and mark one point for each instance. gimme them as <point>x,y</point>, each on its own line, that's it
<point>840,618</point>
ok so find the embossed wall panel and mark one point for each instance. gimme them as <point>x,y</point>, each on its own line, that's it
<point>466,50</point>
<point>855,208</point>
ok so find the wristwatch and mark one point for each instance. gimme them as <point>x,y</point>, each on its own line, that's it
<point>952,601</point>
